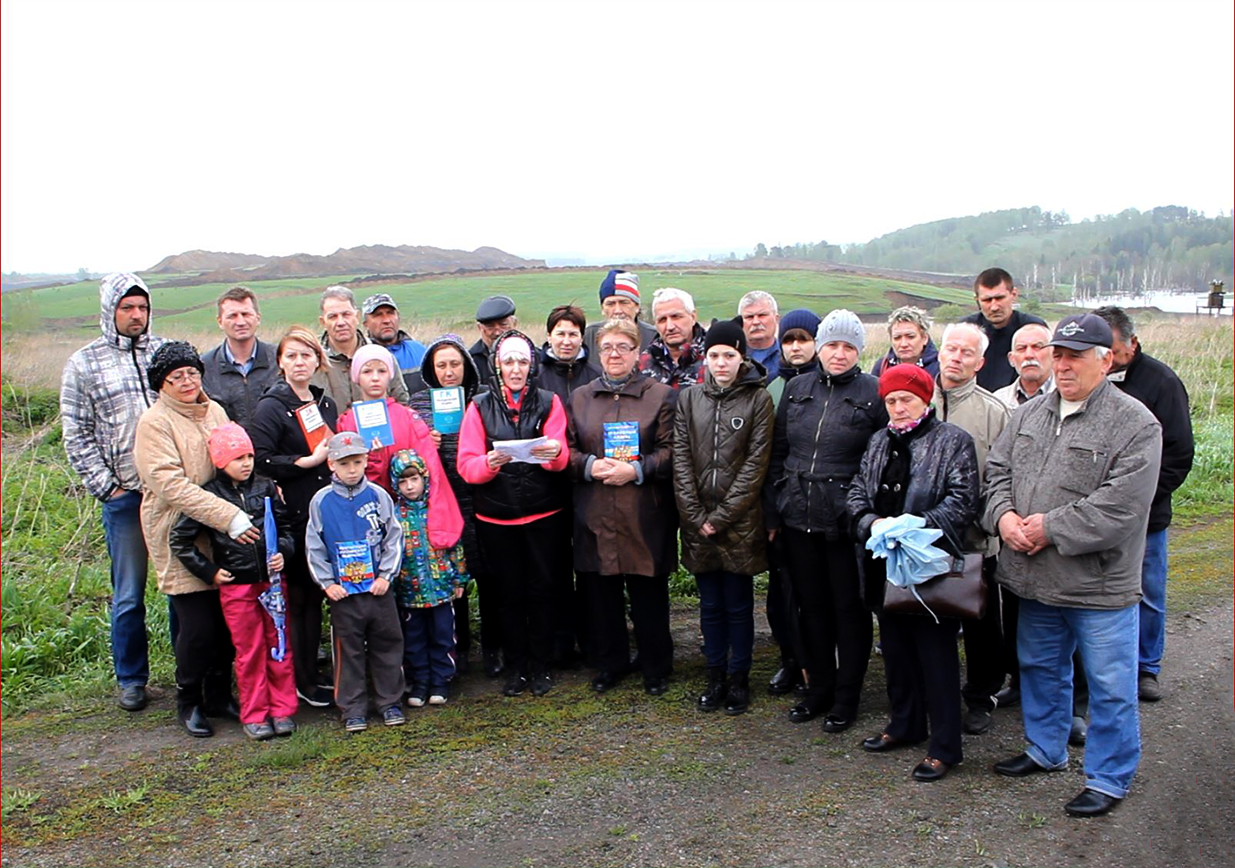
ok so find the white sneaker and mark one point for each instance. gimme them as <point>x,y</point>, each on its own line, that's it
<point>437,699</point>
<point>416,701</point>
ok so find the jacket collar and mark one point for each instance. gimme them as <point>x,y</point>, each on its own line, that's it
<point>1094,399</point>
<point>348,491</point>
<point>835,379</point>
<point>195,410</point>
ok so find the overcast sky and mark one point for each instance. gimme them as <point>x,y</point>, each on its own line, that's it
<point>132,130</point>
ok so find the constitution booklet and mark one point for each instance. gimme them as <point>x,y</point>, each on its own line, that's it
<point>622,440</point>
<point>312,425</point>
<point>373,423</point>
<point>447,404</point>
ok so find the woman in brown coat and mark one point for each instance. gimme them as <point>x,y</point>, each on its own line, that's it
<point>721,448</point>
<point>625,522</point>
<point>173,462</point>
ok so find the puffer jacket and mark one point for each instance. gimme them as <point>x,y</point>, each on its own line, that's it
<point>448,449</point>
<point>173,460</point>
<point>245,561</point>
<point>103,392</point>
<point>943,481</point>
<point>562,378</point>
<point>235,392</point>
<point>278,442</point>
<point>822,427</point>
<point>722,444</point>
<point>1092,476</point>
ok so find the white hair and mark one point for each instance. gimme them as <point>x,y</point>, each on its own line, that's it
<point>1026,327</point>
<point>669,293</point>
<point>1101,352</point>
<point>967,328</point>
<point>755,296</point>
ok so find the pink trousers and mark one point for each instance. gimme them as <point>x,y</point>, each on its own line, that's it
<point>267,686</point>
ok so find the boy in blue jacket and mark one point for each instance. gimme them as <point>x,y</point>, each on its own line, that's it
<point>354,544</point>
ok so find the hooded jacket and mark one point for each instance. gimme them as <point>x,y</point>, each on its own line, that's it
<point>278,442</point>
<point>172,456</point>
<point>429,574</point>
<point>823,424</point>
<point>235,392</point>
<point>448,449</point>
<point>103,392</point>
<point>245,561</point>
<point>341,514</point>
<point>722,444</point>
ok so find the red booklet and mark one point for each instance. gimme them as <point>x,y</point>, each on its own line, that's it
<point>313,425</point>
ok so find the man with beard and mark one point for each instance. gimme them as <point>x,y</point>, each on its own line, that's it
<point>381,322</point>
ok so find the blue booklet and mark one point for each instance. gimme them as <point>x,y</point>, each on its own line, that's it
<point>622,440</point>
<point>354,565</point>
<point>447,404</point>
<point>373,423</point>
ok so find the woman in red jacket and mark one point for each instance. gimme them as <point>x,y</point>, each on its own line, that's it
<point>521,515</point>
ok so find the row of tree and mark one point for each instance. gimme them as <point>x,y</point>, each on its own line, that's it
<point>1169,247</point>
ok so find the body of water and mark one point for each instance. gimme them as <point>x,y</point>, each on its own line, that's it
<point>1171,302</point>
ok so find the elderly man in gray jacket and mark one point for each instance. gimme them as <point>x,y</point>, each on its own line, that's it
<point>1069,484</point>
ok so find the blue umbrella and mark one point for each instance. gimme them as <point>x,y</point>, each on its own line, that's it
<point>906,542</point>
<point>272,598</point>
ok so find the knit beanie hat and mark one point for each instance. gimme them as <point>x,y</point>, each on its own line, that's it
<point>169,357</point>
<point>803,319</point>
<point>514,347</point>
<point>371,353</point>
<point>727,334</point>
<point>624,284</point>
<point>228,442</point>
<point>907,378</point>
<point>841,325</point>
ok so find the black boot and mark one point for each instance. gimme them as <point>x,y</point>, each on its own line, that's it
<point>189,711</point>
<point>714,695</point>
<point>738,699</point>
<point>219,699</point>
<point>786,678</point>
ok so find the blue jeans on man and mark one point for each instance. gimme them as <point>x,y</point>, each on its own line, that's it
<point>1046,638</point>
<point>126,546</point>
<point>1153,603</point>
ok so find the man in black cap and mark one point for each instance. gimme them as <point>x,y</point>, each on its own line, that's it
<point>1072,512</point>
<point>496,314</point>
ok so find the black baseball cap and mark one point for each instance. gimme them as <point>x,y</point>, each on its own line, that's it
<point>1082,331</point>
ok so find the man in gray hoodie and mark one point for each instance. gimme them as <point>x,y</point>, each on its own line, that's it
<point>1069,484</point>
<point>103,391</point>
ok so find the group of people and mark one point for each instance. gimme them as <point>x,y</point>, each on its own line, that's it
<point>567,473</point>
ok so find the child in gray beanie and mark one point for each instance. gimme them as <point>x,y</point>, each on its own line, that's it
<point>841,325</point>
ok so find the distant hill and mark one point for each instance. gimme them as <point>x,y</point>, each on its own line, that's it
<point>370,259</point>
<point>1170,247</point>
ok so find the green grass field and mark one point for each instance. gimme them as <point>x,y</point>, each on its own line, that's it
<point>450,302</point>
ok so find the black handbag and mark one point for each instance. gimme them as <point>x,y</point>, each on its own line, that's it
<point>958,593</point>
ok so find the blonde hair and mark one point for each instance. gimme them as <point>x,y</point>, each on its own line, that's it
<point>620,327</point>
<point>301,334</point>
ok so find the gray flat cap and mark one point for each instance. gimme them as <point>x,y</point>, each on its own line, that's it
<point>495,307</point>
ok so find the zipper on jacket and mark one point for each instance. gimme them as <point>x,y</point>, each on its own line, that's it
<point>716,440</point>
<point>827,402</point>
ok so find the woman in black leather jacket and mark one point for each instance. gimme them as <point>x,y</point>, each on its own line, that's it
<point>918,466</point>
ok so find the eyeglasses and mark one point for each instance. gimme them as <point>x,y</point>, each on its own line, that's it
<point>615,349</point>
<point>179,377</point>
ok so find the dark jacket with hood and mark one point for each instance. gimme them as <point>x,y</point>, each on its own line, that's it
<point>278,442</point>
<point>245,561</point>
<point>1157,387</point>
<point>632,528</point>
<point>929,360</point>
<point>235,392</point>
<point>562,378</point>
<point>103,392</point>
<point>721,448</point>
<point>448,449</point>
<point>823,425</point>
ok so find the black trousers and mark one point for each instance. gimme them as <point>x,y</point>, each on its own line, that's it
<point>649,612</point>
<point>923,669</point>
<point>204,650</point>
<point>304,619</point>
<point>490,610</point>
<point>523,559</point>
<point>366,634</point>
<point>985,648</point>
<point>1080,686</point>
<point>781,607</point>
<point>835,627</point>
<point>463,628</point>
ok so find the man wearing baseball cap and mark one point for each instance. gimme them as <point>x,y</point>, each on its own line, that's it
<point>381,321</point>
<point>1069,485</point>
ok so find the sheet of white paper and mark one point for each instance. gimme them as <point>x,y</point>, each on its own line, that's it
<point>521,450</point>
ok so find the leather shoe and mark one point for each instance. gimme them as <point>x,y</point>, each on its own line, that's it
<point>133,697</point>
<point>883,742</point>
<point>785,679</point>
<point>1147,687</point>
<point>195,722</point>
<point>656,686</point>
<point>836,722</point>
<point>1008,697</point>
<point>1079,733</point>
<point>1019,766</point>
<point>804,711</point>
<point>1090,803</point>
<point>605,681</point>
<point>930,769</point>
<point>976,721</point>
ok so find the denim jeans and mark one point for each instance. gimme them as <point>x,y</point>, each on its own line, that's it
<point>1046,637</point>
<point>126,546</point>
<point>1153,602</point>
<point>727,619</point>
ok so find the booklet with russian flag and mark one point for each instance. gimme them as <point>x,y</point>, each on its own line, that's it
<point>622,440</point>
<point>354,565</point>
<point>447,404</point>
<point>373,423</point>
